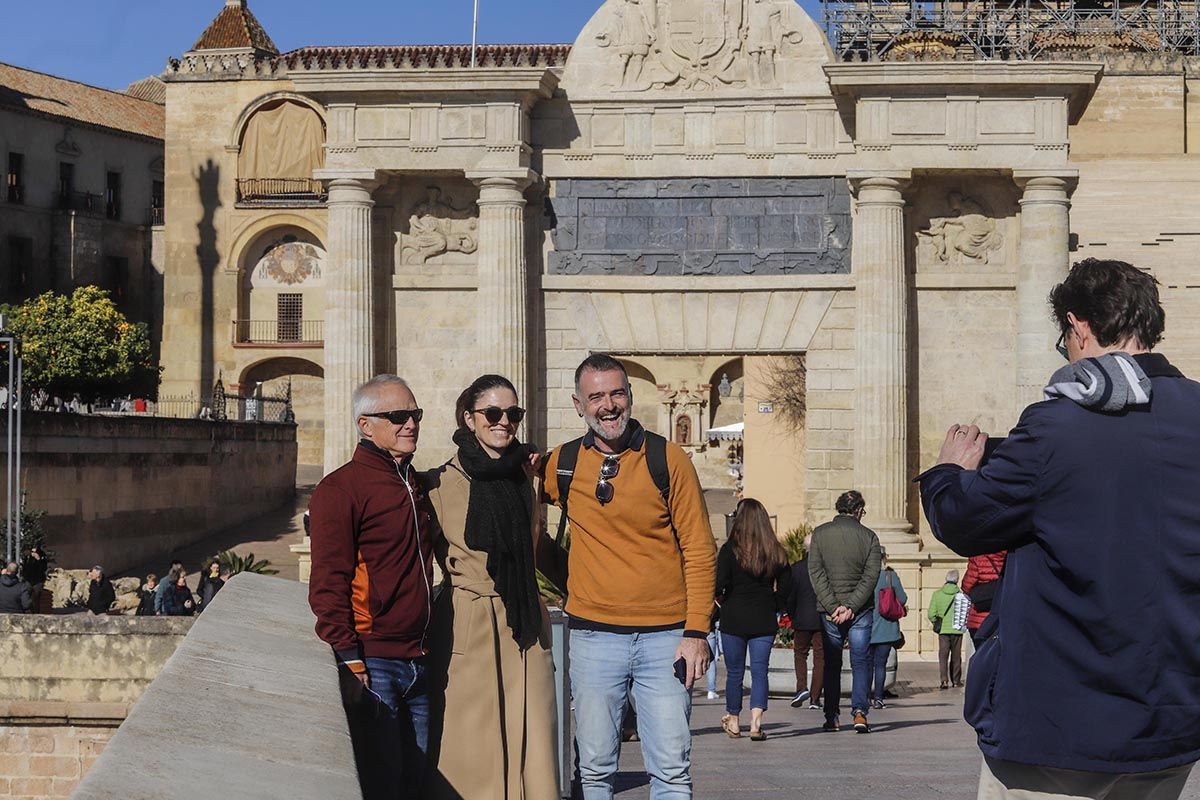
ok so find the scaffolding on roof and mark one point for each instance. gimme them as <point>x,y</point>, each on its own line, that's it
<point>874,30</point>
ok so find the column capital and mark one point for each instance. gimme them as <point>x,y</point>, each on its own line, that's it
<point>518,179</point>
<point>869,186</point>
<point>348,180</point>
<point>1046,182</point>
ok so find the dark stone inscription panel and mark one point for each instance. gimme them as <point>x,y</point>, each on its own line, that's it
<point>690,226</point>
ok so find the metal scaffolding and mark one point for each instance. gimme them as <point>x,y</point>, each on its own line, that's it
<point>874,30</point>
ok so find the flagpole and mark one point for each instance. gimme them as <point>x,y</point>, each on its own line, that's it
<point>474,33</point>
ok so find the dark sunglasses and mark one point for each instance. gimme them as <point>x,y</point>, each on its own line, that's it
<point>1061,346</point>
<point>608,470</point>
<point>399,417</point>
<point>493,414</point>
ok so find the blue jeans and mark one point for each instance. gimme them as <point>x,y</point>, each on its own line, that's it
<point>400,724</point>
<point>735,670</point>
<point>879,659</point>
<point>602,666</point>
<point>858,631</point>
<point>714,644</point>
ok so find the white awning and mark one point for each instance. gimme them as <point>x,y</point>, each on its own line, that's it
<point>734,432</point>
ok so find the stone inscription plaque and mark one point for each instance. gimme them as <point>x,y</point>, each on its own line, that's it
<point>741,226</point>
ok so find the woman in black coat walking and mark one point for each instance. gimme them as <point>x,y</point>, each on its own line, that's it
<point>752,581</point>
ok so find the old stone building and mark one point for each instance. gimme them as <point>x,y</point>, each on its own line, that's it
<point>83,196</point>
<point>709,190</point>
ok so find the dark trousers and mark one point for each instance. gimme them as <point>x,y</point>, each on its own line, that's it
<point>950,658</point>
<point>879,659</point>
<point>389,726</point>
<point>801,644</point>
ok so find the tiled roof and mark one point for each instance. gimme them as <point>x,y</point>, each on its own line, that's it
<point>426,56</point>
<point>151,89</point>
<point>26,90</point>
<point>235,28</point>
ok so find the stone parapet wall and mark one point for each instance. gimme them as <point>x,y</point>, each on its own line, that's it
<point>119,490</point>
<point>80,658</point>
<point>262,704</point>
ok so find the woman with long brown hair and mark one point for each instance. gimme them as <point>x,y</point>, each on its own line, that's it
<point>494,732</point>
<point>752,581</point>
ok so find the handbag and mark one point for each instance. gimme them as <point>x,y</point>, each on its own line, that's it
<point>983,595</point>
<point>890,607</point>
<point>899,643</point>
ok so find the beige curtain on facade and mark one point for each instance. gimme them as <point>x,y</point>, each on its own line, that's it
<point>283,142</point>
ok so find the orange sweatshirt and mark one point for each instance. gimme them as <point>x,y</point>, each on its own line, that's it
<point>627,566</point>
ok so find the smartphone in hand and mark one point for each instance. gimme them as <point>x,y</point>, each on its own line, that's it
<point>680,667</point>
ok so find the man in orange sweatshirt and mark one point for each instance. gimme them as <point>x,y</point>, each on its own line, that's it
<point>640,589</point>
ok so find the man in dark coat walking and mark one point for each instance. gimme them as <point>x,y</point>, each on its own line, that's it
<point>806,629</point>
<point>1088,681</point>
<point>15,595</point>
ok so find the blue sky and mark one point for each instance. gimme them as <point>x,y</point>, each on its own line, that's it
<point>112,43</point>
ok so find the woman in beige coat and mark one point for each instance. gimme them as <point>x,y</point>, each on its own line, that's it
<point>491,632</point>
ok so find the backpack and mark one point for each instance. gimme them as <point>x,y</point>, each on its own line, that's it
<point>568,457</point>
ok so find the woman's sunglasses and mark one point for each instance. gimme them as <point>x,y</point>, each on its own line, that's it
<point>608,470</point>
<point>400,417</point>
<point>493,414</point>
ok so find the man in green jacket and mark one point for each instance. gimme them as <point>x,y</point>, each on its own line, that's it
<point>941,614</point>
<point>844,566</point>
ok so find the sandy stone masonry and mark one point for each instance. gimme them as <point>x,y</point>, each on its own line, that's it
<point>459,240</point>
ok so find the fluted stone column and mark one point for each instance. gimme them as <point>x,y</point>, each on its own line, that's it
<point>349,338</point>
<point>881,396</point>
<point>503,308</point>
<point>1044,259</point>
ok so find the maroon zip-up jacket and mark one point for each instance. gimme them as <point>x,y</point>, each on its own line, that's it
<point>372,531</point>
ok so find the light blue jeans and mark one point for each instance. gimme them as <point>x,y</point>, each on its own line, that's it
<point>602,666</point>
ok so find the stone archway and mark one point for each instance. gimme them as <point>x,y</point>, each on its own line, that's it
<point>308,403</point>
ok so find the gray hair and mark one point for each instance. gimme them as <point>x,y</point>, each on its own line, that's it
<point>363,401</point>
<point>11,568</point>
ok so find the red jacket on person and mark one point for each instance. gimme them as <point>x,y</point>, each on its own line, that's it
<point>372,530</point>
<point>981,569</point>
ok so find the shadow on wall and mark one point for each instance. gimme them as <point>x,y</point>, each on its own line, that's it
<point>208,182</point>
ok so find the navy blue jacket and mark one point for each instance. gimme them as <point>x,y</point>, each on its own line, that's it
<point>1092,658</point>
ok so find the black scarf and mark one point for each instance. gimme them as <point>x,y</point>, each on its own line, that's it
<point>499,518</point>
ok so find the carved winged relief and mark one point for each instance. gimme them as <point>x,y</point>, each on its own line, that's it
<point>437,227</point>
<point>968,233</point>
<point>699,44</point>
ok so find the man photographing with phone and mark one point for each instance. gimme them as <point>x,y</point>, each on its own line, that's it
<point>642,574</point>
<point>1087,679</point>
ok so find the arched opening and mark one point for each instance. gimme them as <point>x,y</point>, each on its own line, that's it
<point>282,144</point>
<point>282,295</point>
<point>727,396</point>
<point>307,381</point>
<point>645,396</point>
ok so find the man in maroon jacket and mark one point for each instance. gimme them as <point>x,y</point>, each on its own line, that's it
<point>372,531</point>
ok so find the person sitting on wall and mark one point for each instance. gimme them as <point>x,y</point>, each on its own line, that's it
<point>101,594</point>
<point>15,595</point>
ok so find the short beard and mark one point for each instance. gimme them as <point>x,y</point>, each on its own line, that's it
<point>593,424</point>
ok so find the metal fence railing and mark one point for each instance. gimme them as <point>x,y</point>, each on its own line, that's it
<point>267,190</point>
<point>278,331</point>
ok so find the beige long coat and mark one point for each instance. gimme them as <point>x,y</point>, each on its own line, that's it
<point>498,739</point>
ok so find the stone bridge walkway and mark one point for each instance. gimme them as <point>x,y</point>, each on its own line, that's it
<point>919,749</point>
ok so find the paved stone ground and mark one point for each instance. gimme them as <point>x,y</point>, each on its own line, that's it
<point>919,748</point>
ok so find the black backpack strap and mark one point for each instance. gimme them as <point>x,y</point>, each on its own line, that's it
<point>568,455</point>
<point>656,460</point>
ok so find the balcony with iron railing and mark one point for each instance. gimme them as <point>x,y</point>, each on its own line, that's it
<point>278,333</point>
<point>280,192</point>
<point>81,202</point>
<point>157,216</point>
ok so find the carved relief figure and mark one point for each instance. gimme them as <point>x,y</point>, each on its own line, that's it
<point>970,233</point>
<point>699,44</point>
<point>683,430</point>
<point>437,227</point>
